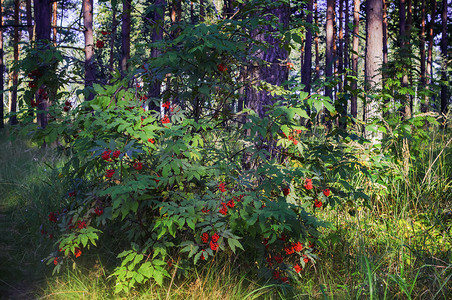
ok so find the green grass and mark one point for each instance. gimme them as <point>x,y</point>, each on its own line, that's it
<point>398,247</point>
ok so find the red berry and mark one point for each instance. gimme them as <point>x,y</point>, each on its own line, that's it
<point>286,191</point>
<point>99,44</point>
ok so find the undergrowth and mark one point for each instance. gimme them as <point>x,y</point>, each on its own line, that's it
<point>397,246</point>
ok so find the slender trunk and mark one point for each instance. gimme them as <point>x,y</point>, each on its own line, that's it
<point>54,22</point>
<point>176,14</point>
<point>125,35</point>
<point>340,54</point>
<point>444,94</point>
<point>157,35</point>
<point>89,45</point>
<point>385,34</point>
<point>424,108</point>
<point>341,99</point>
<point>335,53</point>
<point>385,55</point>
<point>13,100</point>
<point>30,39</point>
<point>307,63</point>
<point>2,66</point>
<point>114,24</point>
<point>43,15</point>
<point>192,13</point>
<point>404,49</point>
<point>316,41</point>
<point>29,20</point>
<point>409,106</point>
<point>202,13</point>
<point>346,51</point>
<point>346,39</point>
<point>228,8</point>
<point>428,70</point>
<point>354,100</point>
<point>329,45</point>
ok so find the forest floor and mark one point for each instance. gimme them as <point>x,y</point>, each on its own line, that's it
<point>17,277</point>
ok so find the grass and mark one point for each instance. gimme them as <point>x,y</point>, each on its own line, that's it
<point>397,247</point>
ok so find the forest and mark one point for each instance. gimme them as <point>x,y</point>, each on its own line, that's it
<point>225,149</point>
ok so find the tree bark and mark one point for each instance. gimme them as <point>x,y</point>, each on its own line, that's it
<point>307,63</point>
<point>2,66</point>
<point>329,45</point>
<point>54,22</point>
<point>125,35</point>
<point>444,93</point>
<point>276,72</point>
<point>157,35</point>
<point>43,12</point>
<point>354,100</point>
<point>374,53</point>
<point>13,100</point>
<point>316,41</point>
<point>114,24</point>
<point>202,13</point>
<point>340,54</point>
<point>89,45</point>
<point>346,38</point>
<point>404,50</point>
<point>176,14</point>
<point>192,13</point>
<point>29,20</point>
<point>385,55</point>
<point>424,107</point>
<point>431,26</point>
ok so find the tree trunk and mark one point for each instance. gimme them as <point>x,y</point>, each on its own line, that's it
<point>385,55</point>
<point>89,45</point>
<point>228,8</point>
<point>29,20</point>
<point>329,45</point>
<point>43,13</point>
<point>125,35</point>
<point>316,41</point>
<point>444,94</point>
<point>424,107</point>
<point>2,66</point>
<point>374,53</point>
<point>276,72</point>
<point>54,22</point>
<point>114,24</point>
<point>157,35</point>
<point>13,100</point>
<point>176,14</point>
<point>192,13</point>
<point>404,49</point>
<point>431,26</point>
<point>202,13</point>
<point>354,100</point>
<point>340,54</point>
<point>346,39</point>
<point>385,33</point>
<point>307,63</point>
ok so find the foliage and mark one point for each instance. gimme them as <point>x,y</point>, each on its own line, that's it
<point>175,189</point>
